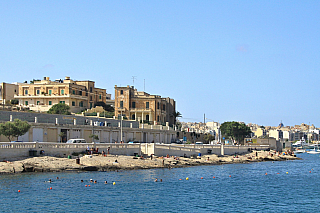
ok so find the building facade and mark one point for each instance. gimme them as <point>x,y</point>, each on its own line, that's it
<point>141,106</point>
<point>7,92</point>
<point>41,95</point>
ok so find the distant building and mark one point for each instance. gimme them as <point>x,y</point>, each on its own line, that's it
<point>7,92</point>
<point>41,95</point>
<point>141,106</point>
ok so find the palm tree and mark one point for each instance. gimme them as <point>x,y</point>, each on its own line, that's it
<point>176,115</point>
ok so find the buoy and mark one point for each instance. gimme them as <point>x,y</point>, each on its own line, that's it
<point>187,178</point>
<point>201,177</point>
<point>89,185</point>
<point>266,173</point>
<point>18,190</point>
<point>277,173</point>
<point>114,183</point>
<point>86,185</point>
<point>50,187</point>
<point>180,179</point>
<point>214,177</point>
<point>229,175</point>
<point>309,171</point>
<point>286,172</point>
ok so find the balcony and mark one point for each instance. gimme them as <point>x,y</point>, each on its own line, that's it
<point>49,96</point>
<point>140,110</point>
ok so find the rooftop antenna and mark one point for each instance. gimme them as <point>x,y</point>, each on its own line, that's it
<point>133,77</point>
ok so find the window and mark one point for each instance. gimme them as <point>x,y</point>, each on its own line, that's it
<point>50,91</point>
<point>38,102</point>
<point>133,117</point>
<point>26,92</point>
<point>90,105</point>
<point>147,117</point>
<point>121,92</point>
<point>62,92</point>
<point>158,105</point>
<point>90,98</point>
<point>133,105</point>
<point>100,97</point>
<point>158,118</point>
<point>26,103</point>
<point>73,92</point>
<point>147,105</point>
<point>90,89</point>
<point>38,92</point>
<point>80,92</point>
<point>164,107</point>
<point>121,104</point>
<point>80,104</point>
<point>62,102</point>
<point>73,103</point>
<point>50,102</point>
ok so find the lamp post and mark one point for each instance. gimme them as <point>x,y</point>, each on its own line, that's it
<point>121,127</point>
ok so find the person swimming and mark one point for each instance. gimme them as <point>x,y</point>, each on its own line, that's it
<point>156,180</point>
<point>91,180</point>
<point>106,182</point>
<point>81,181</point>
<point>95,181</point>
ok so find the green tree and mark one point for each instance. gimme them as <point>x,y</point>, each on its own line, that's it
<point>235,130</point>
<point>93,137</point>
<point>208,138</point>
<point>14,101</point>
<point>60,108</point>
<point>14,129</point>
<point>61,135</point>
<point>106,107</point>
<point>176,115</point>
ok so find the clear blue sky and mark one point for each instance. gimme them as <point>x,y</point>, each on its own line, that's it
<point>250,61</point>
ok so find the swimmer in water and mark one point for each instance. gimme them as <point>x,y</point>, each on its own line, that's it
<point>105,182</point>
<point>95,181</point>
<point>81,181</point>
<point>156,180</point>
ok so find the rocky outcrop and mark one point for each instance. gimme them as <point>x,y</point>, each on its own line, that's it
<point>112,163</point>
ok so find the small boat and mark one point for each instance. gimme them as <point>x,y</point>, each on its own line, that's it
<point>299,151</point>
<point>314,151</point>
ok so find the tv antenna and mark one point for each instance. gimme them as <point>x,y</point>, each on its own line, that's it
<point>133,77</point>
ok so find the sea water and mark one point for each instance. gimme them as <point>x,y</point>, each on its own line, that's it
<point>280,186</point>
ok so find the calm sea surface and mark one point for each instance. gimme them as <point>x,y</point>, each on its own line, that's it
<point>288,187</point>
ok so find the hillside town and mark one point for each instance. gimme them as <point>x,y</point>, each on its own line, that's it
<point>136,108</point>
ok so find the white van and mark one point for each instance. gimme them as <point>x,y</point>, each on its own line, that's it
<point>78,140</point>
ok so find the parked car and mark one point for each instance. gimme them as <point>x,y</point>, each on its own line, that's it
<point>77,140</point>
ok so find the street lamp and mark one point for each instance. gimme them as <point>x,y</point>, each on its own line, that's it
<point>121,127</point>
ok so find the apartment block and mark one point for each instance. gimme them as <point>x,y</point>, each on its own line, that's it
<point>7,92</point>
<point>141,106</point>
<point>41,95</point>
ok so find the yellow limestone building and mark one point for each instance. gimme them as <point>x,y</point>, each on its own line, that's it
<point>41,95</point>
<point>141,106</point>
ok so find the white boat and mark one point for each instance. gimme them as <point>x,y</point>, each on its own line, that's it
<point>314,151</point>
<point>299,151</point>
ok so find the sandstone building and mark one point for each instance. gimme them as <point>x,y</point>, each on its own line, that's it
<point>41,95</point>
<point>143,107</point>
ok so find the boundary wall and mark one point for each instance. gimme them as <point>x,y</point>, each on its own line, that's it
<point>23,150</point>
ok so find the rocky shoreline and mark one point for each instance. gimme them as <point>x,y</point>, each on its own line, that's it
<point>113,163</point>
